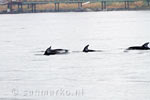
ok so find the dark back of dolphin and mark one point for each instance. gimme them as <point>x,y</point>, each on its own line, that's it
<point>50,51</point>
<point>143,47</point>
<point>86,49</point>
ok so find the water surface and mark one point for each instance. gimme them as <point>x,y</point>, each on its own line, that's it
<point>109,75</point>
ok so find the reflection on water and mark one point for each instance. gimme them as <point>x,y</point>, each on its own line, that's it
<point>113,74</point>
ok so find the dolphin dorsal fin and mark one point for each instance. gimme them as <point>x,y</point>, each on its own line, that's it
<point>48,48</point>
<point>145,45</point>
<point>86,48</point>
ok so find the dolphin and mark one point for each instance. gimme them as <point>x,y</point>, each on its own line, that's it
<point>143,47</point>
<point>50,51</point>
<point>86,49</point>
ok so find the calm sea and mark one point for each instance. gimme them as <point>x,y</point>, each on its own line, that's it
<point>113,74</point>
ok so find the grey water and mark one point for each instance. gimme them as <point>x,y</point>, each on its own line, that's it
<point>113,74</point>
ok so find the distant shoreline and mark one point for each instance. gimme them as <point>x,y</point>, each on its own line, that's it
<point>17,7</point>
<point>81,10</point>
